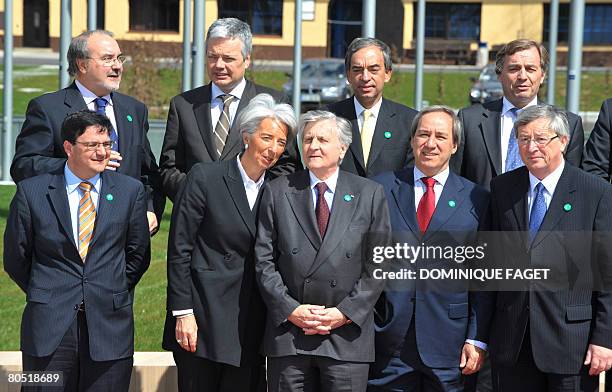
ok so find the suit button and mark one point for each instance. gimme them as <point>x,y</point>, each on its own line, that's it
<point>294,251</point>
<point>349,255</point>
<point>227,256</point>
<point>307,280</point>
<point>333,283</point>
<point>76,307</point>
<point>85,280</point>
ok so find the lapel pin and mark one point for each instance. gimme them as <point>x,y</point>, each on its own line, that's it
<point>452,204</point>
<point>387,135</point>
<point>348,197</point>
<point>567,207</point>
<point>109,197</point>
<point>129,118</point>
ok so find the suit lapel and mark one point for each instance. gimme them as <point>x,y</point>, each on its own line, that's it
<point>490,128</point>
<point>519,200</point>
<point>105,207</point>
<point>124,128</point>
<point>403,195</point>
<point>564,194</point>
<point>201,110</point>
<point>300,200</point>
<point>234,184</point>
<point>233,138</point>
<point>339,221</point>
<point>59,202</point>
<point>453,191</point>
<point>73,99</point>
<point>383,122</point>
<point>355,147</point>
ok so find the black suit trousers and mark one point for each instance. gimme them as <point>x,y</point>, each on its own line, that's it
<point>79,371</point>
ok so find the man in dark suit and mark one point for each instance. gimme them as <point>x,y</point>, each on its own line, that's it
<point>96,63</point>
<point>380,128</point>
<point>77,243</point>
<point>429,333</point>
<point>488,148</point>
<point>200,125</point>
<point>597,151</point>
<point>554,334</point>
<point>319,333</point>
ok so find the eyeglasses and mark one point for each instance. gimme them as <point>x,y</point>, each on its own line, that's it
<point>108,61</point>
<point>93,146</point>
<point>540,140</point>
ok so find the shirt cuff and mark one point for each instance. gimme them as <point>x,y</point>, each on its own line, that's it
<point>477,343</point>
<point>184,312</point>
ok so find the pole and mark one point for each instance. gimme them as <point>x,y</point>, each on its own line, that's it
<point>420,56</point>
<point>65,36</point>
<point>574,64</point>
<point>297,58</point>
<point>7,93</point>
<point>552,50</point>
<point>186,83</point>
<point>197,69</point>
<point>92,14</point>
<point>368,28</point>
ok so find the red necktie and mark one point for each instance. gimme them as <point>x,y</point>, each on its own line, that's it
<point>427,205</point>
<point>322,209</point>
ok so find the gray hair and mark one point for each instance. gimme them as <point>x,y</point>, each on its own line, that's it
<point>457,127</point>
<point>518,45</point>
<point>78,49</point>
<point>343,127</point>
<point>261,107</point>
<point>231,28</point>
<point>557,119</point>
<point>360,43</point>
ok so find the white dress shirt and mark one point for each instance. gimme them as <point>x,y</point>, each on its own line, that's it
<point>507,123</point>
<point>374,110</point>
<point>549,182</point>
<point>331,183</point>
<point>216,103</point>
<point>90,97</point>
<point>251,187</point>
<point>75,194</point>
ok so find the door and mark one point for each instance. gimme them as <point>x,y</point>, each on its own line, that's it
<point>36,23</point>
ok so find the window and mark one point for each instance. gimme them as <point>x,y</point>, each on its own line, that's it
<point>451,21</point>
<point>99,14</point>
<point>154,15</point>
<point>597,23</point>
<point>264,16</point>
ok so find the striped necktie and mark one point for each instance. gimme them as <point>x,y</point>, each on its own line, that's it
<point>223,125</point>
<point>87,218</point>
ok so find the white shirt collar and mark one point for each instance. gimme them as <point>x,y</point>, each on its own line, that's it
<point>73,182</point>
<point>373,110</point>
<point>88,96</point>
<point>245,177</point>
<point>550,181</point>
<point>507,105</point>
<point>330,182</point>
<point>236,91</point>
<point>440,178</point>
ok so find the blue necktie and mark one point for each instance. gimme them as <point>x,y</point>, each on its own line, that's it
<point>513,158</point>
<point>538,210</point>
<point>101,109</point>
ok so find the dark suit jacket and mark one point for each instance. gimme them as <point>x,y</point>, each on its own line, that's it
<point>564,318</point>
<point>598,148</point>
<point>478,157</point>
<point>39,148</point>
<point>40,255</point>
<point>444,316</point>
<point>294,266</point>
<point>189,136</point>
<point>389,151</point>
<point>211,265</point>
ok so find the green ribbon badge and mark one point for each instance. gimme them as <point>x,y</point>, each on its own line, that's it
<point>567,207</point>
<point>348,197</point>
<point>129,118</point>
<point>109,197</point>
<point>387,135</point>
<point>452,204</point>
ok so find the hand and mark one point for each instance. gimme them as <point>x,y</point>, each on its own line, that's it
<point>303,316</point>
<point>153,226</point>
<point>600,359</point>
<point>330,318</point>
<point>472,358</point>
<point>186,332</point>
<point>115,161</point>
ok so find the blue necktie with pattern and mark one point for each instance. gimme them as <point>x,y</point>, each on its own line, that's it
<point>101,109</point>
<point>513,158</point>
<point>538,210</point>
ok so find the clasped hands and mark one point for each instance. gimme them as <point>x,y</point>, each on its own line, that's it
<point>317,319</point>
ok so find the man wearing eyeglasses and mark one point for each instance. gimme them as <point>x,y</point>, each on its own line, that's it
<point>552,334</point>
<point>77,243</point>
<point>96,63</point>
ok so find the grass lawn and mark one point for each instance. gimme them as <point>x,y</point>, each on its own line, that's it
<point>150,299</point>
